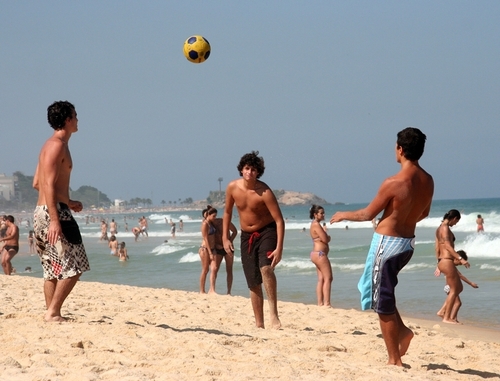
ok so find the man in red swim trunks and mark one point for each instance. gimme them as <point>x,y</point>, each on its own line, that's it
<point>263,232</point>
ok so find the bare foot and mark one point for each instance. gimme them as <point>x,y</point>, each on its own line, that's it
<point>451,321</point>
<point>276,323</point>
<point>212,292</point>
<point>54,319</point>
<point>399,363</point>
<point>404,341</point>
<point>440,313</point>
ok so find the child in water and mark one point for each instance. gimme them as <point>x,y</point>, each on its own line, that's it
<point>122,252</point>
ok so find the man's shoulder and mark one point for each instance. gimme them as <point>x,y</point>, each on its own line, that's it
<point>234,183</point>
<point>262,184</point>
<point>54,147</point>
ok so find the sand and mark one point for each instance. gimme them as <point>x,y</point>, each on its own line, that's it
<point>119,332</point>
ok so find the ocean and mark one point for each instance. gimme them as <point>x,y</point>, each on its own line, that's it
<point>176,265</point>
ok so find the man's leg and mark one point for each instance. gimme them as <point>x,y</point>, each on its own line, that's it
<point>56,292</point>
<point>6,261</point>
<point>270,284</point>
<point>229,271</point>
<point>396,335</point>
<point>3,253</point>
<point>257,299</point>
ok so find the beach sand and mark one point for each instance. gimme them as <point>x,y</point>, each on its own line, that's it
<point>119,332</point>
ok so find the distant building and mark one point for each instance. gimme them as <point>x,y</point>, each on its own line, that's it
<point>119,204</point>
<point>7,187</point>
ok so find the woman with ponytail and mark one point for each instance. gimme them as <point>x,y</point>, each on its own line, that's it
<point>319,255</point>
<point>207,247</point>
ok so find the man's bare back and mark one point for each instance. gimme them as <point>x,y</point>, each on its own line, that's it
<point>409,194</point>
<point>405,199</point>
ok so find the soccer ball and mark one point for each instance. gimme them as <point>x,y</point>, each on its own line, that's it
<point>197,49</point>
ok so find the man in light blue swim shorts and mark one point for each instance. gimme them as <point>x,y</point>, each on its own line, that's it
<point>387,256</point>
<point>404,199</point>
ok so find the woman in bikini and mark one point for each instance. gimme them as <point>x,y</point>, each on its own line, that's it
<point>319,255</point>
<point>446,254</point>
<point>207,248</point>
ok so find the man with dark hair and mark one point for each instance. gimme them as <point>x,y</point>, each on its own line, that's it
<point>405,199</point>
<point>11,246</point>
<point>58,239</point>
<point>262,234</point>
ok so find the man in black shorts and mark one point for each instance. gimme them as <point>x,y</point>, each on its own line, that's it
<point>262,234</point>
<point>11,246</point>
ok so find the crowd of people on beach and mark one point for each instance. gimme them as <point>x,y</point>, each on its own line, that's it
<point>403,200</point>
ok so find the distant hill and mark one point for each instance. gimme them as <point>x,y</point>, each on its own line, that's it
<point>284,197</point>
<point>298,198</point>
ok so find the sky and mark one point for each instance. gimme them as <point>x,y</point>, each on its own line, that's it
<point>319,88</point>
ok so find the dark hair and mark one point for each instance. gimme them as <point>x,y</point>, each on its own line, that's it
<point>479,216</point>
<point>58,112</point>
<point>314,209</point>
<point>412,141</point>
<point>10,218</point>
<point>453,213</point>
<point>252,160</point>
<point>211,210</point>
<point>463,254</point>
<point>122,244</point>
<point>208,210</point>
<point>112,238</point>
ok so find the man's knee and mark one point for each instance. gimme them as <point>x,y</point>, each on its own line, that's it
<point>267,270</point>
<point>257,290</point>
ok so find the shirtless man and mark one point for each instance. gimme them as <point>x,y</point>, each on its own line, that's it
<point>262,234</point>
<point>113,227</point>
<point>59,243</point>
<point>11,244</point>
<point>143,222</point>
<point>405,199</point>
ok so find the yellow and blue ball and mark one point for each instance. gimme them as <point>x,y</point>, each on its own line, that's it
<point>197,49</point>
